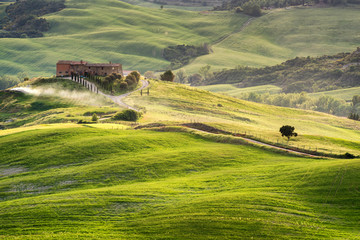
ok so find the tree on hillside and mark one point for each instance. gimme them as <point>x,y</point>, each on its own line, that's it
<point>356,100</point>
<point>288,131</point>
<point>195,79</point>
<point>94,117</point>
<point>205,72</point>
<point>181,76</point>
<point>167,76</point>
<point>251,8</point>
<point>149,74</point>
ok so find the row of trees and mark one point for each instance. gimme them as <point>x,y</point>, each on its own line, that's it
<point>115,82</point>
<point>327,104</point>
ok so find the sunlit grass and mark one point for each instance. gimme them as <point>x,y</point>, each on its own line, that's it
<point>176,103</point>
<point>66,183</point>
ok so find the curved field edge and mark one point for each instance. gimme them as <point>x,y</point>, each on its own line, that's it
<point>144,185</point>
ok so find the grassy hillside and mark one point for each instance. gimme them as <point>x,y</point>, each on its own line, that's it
<point>234,91</point>
<point>174,103</point>
<point>110,30</point>
<point>91,183</point>
<point>309,74</point>
<point>284,34</point>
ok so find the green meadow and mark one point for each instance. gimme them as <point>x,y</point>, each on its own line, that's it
<point>80,182</point>
<point>283,34</point>
<point>234,91</point>
<point>111,30</point>
<point>172,103</point>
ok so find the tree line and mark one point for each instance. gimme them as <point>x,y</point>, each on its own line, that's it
<point>309,74</point>
<point>115,82</point>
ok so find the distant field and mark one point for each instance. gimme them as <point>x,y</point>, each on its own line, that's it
<point>234,91</point>
<point>111,30</point>
<point>346,94</point>
<point>91,183</point>
<point>143,3</point>
<point>284,34</point>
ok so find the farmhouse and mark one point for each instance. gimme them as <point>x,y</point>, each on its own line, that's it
<point>65,68</point>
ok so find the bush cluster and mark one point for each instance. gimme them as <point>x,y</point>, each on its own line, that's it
<point>127,115</point>
<point>116,82</point>
<point>182,54</point>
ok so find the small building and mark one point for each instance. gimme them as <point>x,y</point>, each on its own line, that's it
<point>66,68</point>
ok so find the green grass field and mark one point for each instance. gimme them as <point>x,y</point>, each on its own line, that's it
<point>111,30</point>
<point>234,91</point>
<point>91,183</point>
<point>176,103</point>
<point>109,181</point>
<point>284,34</point>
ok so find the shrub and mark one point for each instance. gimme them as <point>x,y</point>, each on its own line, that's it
<point>136,75</point>
<point>123,86</point>
<point>167,76</point>
<point>349,155</point>
<point>128,115</point>
<point>94,117</point>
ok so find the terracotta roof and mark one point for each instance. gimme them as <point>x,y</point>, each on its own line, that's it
<point>103,65</point>
<point>71,62</point>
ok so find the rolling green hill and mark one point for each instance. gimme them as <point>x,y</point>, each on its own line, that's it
<point>284,34</point>
<point>107,180</point>
<point>172,104</point>
<point>110,30</point>
<point>79,182</point>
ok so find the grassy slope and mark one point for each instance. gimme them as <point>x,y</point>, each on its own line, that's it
<point>173,102</point>
<point>88,183</point>
<point>176,103</point>
<point>234,91</point>
<point>285,34</point>
<point>111,30</point>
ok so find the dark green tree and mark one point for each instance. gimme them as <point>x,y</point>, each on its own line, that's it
<point>288,131</point>
<point>94,117</point>
<point>167,76</point>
